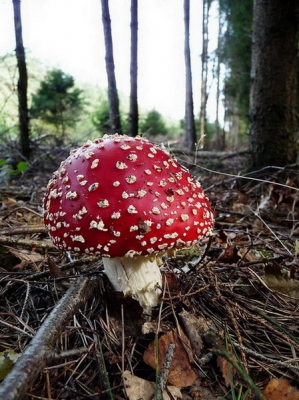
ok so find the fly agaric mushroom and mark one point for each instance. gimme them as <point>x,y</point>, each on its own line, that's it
<point>128,201</point>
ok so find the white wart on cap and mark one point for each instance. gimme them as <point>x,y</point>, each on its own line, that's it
<point>123,197</point>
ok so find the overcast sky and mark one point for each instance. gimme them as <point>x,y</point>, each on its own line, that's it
<point>69,34</point>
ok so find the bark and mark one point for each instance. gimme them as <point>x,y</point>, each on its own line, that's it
<point>24,131</point>
<point>273,124</point>
<point>133,115</point>
<point>41,349</point>
<point>219,138</point>
<point>189,134</point>
<point>204,71</point>
<point>114,114</point>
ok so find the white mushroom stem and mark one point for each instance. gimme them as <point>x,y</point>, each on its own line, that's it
<point>139,277</point>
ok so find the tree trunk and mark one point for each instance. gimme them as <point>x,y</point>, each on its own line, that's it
<point>273,124</point>
<point>189,134</point>
<point>204,71</point>
<point>24,130</point>
<point>219,139</point>
<point>114,115</point>
<point>133,115</point>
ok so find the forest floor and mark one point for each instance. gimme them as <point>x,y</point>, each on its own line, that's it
<point>229,307</point>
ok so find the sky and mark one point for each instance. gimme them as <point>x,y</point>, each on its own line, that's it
<point>68,34</point>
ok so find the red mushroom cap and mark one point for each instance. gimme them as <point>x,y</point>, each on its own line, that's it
<point>121,196</point>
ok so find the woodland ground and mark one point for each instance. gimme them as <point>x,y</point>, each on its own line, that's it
<point>230,307</point>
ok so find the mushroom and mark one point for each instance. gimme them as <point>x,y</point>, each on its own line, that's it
<point>129,201</point>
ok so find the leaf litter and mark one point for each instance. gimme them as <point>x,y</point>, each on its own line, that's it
<point>229,308</point>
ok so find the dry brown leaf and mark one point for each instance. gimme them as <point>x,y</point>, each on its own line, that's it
<point>248,255</point>
<point>226,368</point>
<point>8,201</point>
<point>26,257</point>
<point>181,373</point>
<point>229,255</point>
<point>137,388</point>
<point>55,272</point>
<point>278,389</point>
<point>277,279</point>
<point>257,226</point>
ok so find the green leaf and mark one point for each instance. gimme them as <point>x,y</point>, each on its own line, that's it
<point>7,361</point>
<point>22,166</point>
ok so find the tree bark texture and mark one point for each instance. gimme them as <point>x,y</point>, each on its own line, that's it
<point>24,131</point>
<point>204,71</point>
<point>219,137</point>
<point>273,125</point>
<point>133,114</point>
<point>114,115</point>
<point>189,134</point>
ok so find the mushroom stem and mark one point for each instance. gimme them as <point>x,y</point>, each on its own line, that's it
<point>139,277</point>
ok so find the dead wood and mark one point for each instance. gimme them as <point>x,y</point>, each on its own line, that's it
<point>23,230</point>
<point>41,349</point>
<point>27,243</point>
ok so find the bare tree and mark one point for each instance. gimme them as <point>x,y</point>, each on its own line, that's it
<point>133,115</point>
<point>204,70</point>
<point>219,137</point>
<point>273,120</point>
<point>24,130</point>
<point>189,134</point>
<point>114,114</point>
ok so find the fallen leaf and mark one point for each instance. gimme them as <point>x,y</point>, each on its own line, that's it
<point>226,368</point>
<point>138,388</point>
<point>7,361</point>
<point>229,255</point>
<point>181,372</point>
<point>55,272</point>
<point>26,257</point>
<point>155,327</point>
<point>279,280</point>
<point>278,389</point>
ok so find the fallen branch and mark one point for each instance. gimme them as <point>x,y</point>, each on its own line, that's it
<point>165,371</point>
<point>23,230</point>
<point>40,244</point>
<point>40,351</point>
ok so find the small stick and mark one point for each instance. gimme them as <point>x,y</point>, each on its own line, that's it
<point>165,371</point>
<point>255,354</point>
<point>23,230</point>
<point>25,242</point>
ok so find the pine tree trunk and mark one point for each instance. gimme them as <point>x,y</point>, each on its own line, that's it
<point>114,115</point>
<point>204,71</point>
<point>133,115</point>
<point>189,134</point>
<point>219,139</point>
<point>24,130</point>
<point>273,124</point>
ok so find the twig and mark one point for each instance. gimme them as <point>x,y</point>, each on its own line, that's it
<point>255,354</point>
<point>23,230</point>
<point>190,294</point>
<point>22,208</point>
<point>165,371</point>
<point>40,350</point>
<point>25,242</point>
